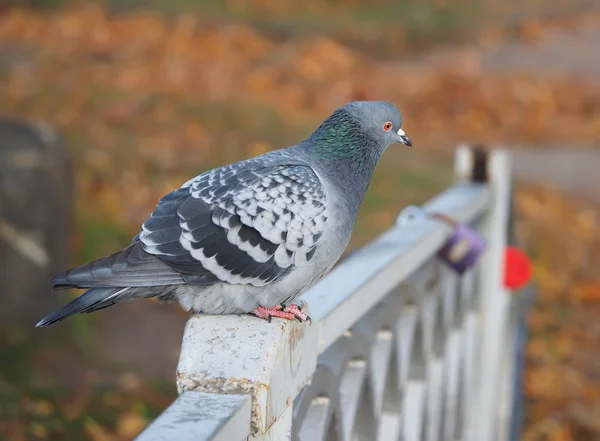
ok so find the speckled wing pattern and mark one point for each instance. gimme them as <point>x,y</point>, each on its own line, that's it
<point>245,223</point>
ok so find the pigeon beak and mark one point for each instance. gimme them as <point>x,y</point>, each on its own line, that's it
<point>403,138</point>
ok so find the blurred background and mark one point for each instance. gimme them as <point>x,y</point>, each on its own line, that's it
<point>107,105</point>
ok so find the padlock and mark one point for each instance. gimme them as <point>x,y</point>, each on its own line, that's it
<point>463,247</point>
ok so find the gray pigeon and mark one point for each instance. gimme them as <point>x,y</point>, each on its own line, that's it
<point>248,237</point>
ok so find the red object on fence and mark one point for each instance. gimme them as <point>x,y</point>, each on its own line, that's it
<point>518,270</point>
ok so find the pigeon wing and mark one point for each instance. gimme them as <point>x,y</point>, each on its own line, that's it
<point>240,224</point>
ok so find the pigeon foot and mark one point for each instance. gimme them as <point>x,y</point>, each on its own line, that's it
<point>291,312</point>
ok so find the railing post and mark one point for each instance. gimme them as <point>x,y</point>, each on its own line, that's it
<point>494,307</point>
<point>243,355</point>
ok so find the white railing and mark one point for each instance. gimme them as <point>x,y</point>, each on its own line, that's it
<point>400,346</point>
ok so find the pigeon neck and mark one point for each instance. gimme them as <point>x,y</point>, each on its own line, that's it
<point>346,154</point>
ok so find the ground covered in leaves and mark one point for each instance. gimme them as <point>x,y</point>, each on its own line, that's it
<point>146,100</point>
<point>563,371</point>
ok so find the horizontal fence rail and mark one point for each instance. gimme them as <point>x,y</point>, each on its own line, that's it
<point>400,347</point>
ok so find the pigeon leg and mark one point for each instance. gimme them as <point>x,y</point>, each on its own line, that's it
<point>291,312</point>
<point>297,311</point>
<point>266,313</point>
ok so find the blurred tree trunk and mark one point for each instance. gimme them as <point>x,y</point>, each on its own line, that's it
<point>36,201</point>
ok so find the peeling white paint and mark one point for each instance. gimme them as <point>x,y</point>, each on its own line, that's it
<point>246,355</point>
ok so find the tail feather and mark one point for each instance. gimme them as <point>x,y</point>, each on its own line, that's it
<point>131,266</point>
<point>91,300</point>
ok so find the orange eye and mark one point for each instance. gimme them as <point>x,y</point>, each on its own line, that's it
<point>387,126</point>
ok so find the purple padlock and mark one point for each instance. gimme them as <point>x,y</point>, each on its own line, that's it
<point>463,247</point>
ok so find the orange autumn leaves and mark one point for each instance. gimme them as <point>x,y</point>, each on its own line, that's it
<point>562,369</point>
<point>141,53</point>
<point>146,101</point>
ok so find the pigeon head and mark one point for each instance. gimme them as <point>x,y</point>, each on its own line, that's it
<point>360,131</point>
<point>348,145</point>
<point>380,120</point>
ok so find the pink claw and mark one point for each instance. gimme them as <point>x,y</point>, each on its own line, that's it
<point>298,314</point>
<point>292,312</point>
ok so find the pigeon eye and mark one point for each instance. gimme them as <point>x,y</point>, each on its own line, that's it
<point>387,126</point>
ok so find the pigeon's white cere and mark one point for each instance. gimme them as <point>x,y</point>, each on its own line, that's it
<point>401,132</point>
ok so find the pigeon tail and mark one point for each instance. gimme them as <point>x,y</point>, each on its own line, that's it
<point>90,301</point>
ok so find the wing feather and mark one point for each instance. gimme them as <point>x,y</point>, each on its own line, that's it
<point>246,223</point>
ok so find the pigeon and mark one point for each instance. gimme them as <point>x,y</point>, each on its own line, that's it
<point>248,237</point>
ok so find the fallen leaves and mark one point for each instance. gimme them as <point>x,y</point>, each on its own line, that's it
<point>130,424</point>
<point>142,54</point>
<point>145,91</point>
<point>94,413</point>
<point>95,431</point>
<point>586,292</point>
<point>146,102</point>
<point>561,377</point>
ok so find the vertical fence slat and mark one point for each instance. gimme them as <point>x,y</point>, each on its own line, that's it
<point>495,301</point>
